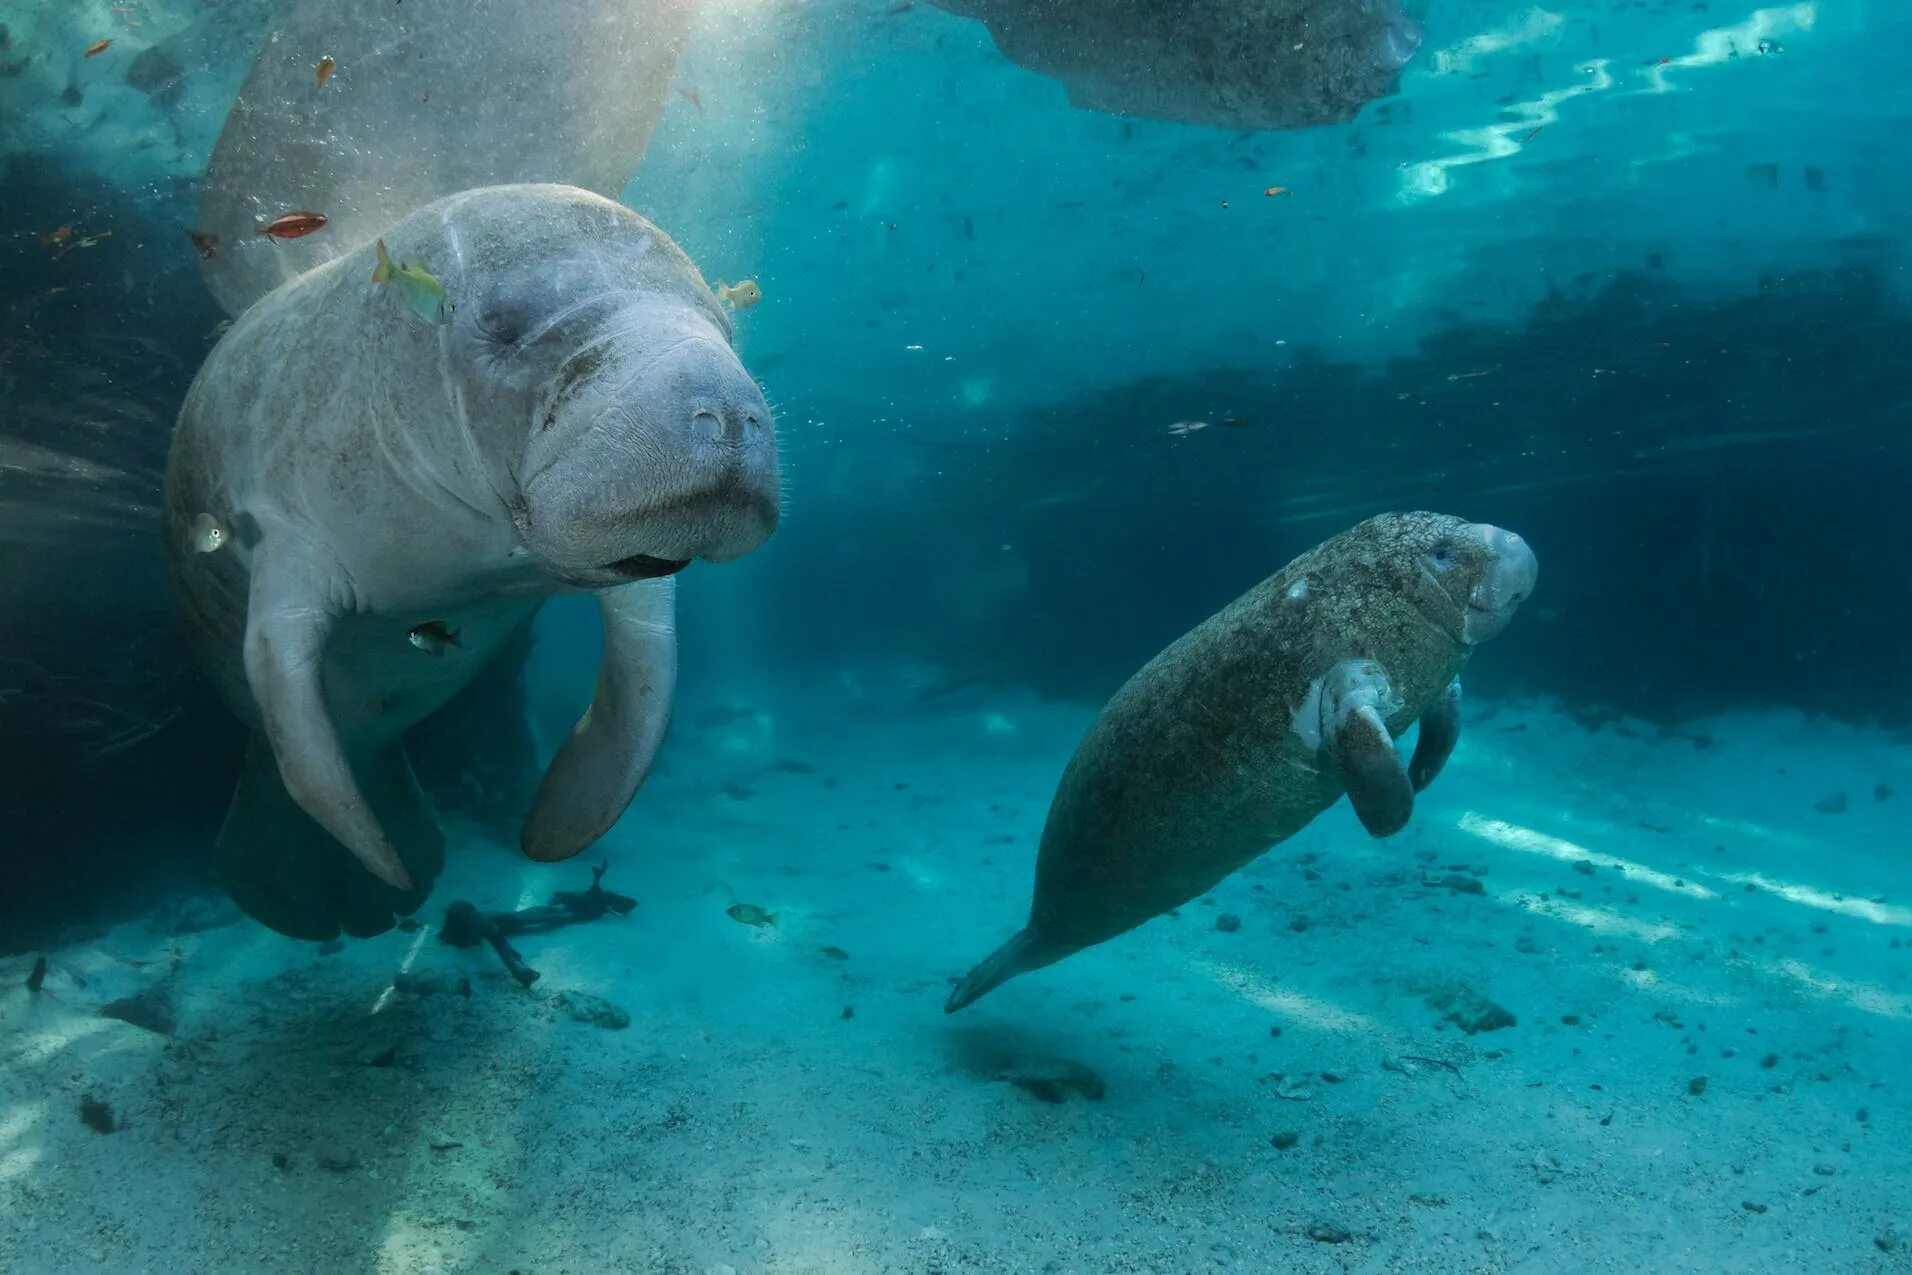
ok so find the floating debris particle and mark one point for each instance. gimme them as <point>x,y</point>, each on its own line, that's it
<point>323,71</point>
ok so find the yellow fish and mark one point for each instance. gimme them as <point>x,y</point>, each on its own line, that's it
<point>424,295</point>
<point>741,295</point>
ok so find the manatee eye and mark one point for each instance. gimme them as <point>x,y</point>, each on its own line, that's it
<point>1442,556</point>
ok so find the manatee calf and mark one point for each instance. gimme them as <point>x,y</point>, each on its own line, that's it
<point>1258,719</point>
<point>580,423</point>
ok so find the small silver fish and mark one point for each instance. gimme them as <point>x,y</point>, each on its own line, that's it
<point>1182,429</point>
<point>433,637</point>
<point>209,535</point>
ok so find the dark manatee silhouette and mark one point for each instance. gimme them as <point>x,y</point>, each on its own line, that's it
<point>581,424</point>
<point>1258,719</point>
<point>1241,64</point>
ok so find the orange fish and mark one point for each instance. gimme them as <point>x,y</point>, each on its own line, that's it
<point>294,225</point>
<point>323,72</point>
<point>58,236</point>
<point>1272,191</point>
<point>208,245</point>
<point>94,50</point>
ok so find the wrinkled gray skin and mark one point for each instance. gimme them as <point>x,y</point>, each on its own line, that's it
<point>1240,64</point>
<point>1260,718</point>
<point>581,424</point>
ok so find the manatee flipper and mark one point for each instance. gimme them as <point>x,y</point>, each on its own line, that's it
<point>288,619</point>
<point>1440,731</point>
<point>1355,701</point>
<point>1019,955</point>
<point>602,764</point>
<point>286,871</point>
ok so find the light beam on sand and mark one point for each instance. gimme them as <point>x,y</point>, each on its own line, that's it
<point>1865,996</point>
<point>41,1046</point>
<point>1599,920</point>
<point>17,1155</point>
<point>1812,897</point>
<point>1262,992</point>
<point>1514,837</point>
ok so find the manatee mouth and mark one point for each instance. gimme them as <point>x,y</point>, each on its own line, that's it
<point>641,566</point>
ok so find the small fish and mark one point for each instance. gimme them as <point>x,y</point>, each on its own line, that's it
<point>690,95</point>
<point>294,225</point>
<point>209,535</point>
<point>741,295</point>
<point>323,71</point>
<point>750,914</point>
<point>1182,429</point>
<point>424,295</point>
<point>206,245</point>
<point>220,328</point>
<point>433,637</point>
<point>1467,376</point>
<point>1274,191</point>
<point>1530,137</point>
<point>57,236</point>
<point>38,976</point>
<point>835,953</point>
<point>1235,422</point>
<point>98,47</point>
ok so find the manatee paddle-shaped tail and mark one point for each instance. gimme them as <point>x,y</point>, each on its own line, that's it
<point>604,762</point>
<point>1027,951</point>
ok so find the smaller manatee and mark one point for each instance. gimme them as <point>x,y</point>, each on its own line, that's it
<point>1260,718</point>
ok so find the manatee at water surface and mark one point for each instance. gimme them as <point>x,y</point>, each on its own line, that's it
<point>1240,64</point>
<point>1260,718</point>
<point>581,423</point>
<point>426,99</point>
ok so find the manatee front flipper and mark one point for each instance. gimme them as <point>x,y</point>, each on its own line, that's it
<point>1440,731</point>
<point>1355,701</point>
<point>291,874</point>
<point>289,617</point>
<point>602,764</point>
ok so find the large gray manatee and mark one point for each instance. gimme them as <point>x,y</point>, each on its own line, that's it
<point>581,423</point>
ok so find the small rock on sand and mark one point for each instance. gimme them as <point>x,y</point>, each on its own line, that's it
<point>595,1010</point>
<point>1468,1010</point>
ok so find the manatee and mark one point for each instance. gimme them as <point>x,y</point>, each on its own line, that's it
<point>1238,64</point>
<point>1258,719</point>
<point>581,424</point>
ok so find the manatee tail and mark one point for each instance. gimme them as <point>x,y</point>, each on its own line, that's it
<point>1019,955</point>
<point>289,873</point>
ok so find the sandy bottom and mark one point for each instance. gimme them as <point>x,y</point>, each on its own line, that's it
<point>1711,977</point>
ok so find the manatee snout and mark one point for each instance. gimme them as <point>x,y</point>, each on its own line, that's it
<point>658,448</point>
<point>1401,38</point>
<point>1505,583</point>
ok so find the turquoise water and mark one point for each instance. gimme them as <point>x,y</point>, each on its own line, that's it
<point>1631,990</point>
